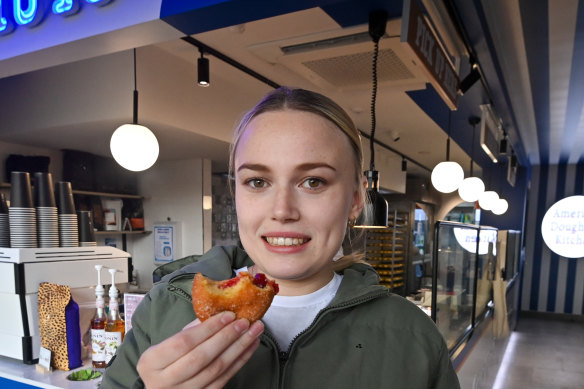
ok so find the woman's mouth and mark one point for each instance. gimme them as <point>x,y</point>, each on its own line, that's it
<point>285,241</point>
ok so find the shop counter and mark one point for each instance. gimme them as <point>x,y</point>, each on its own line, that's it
<point>16,375</point>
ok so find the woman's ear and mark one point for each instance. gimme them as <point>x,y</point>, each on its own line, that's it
<point>358,199</point>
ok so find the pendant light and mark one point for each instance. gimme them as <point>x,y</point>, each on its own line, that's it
<point>488,199</point>
<point>133,146</point>
<point>471,187</point>
<point>375,204</point>
<point>448,175</point>
<point>500,207</point>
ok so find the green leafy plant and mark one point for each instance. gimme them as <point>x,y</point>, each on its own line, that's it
<point>84,375</point>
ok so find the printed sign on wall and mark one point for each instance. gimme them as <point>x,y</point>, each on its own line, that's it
<point>562,227</point>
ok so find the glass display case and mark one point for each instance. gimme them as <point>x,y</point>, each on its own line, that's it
<point>462,270</point>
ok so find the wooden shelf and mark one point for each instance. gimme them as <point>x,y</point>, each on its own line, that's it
<point>122,232</point>
<point>91,193</point>
<point>105,194</point>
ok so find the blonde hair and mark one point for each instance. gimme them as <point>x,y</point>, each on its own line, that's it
<point>308,101</point>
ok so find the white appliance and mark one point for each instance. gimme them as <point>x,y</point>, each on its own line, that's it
<point>21,272</point>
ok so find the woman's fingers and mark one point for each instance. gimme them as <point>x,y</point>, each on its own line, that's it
<point>203,354</point>
<point>160,356</point>
<point>227,363</point>
<point>212,357</point>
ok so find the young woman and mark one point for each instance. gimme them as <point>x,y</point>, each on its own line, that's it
<point>296,163</point>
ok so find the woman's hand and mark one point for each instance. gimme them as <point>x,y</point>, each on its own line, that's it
<point>202,355</point>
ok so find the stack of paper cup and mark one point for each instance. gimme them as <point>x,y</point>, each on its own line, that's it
<point>68,227</point>
<point>21,214</point>
<point>46,211</point>
<point>86,231</point>
<point>4,222</point>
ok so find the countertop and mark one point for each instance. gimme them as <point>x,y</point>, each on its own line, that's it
<point>20,375</point>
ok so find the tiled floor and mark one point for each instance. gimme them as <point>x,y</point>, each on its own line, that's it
<point>543,354</point>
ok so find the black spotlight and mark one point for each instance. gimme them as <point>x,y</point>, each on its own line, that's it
<point>203,71</point>
<point>404,165</point>
<point>503,145</point>
<point>469,80</point>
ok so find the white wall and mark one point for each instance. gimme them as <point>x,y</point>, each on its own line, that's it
<point>173,190</point>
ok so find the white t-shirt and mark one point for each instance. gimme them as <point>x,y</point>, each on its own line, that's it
<point>288,316</point>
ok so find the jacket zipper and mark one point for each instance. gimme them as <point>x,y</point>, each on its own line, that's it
<point>180,292</point>
<point>284,355</point>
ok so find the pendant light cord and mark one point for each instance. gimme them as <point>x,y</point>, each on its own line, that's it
<point>448,139</point>
<point>373,101</point>
<point>135,120</point>
<point>472,149</point>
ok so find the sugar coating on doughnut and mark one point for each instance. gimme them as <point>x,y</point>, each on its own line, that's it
<point>246,296</point>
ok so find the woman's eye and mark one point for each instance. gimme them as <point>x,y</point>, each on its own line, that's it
<point>312,183</point>
<point>256,183</point>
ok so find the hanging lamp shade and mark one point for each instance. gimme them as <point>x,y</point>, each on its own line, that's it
<point>471,189</point>
<point>375,208</point>
<point>501,206</point>
<point>488,200</point>
<point>447,176</point>
<point>133,146</point>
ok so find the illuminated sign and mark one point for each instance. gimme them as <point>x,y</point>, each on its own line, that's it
<point>467,239</point>
<point>562,227</point>
<point>29,13</point>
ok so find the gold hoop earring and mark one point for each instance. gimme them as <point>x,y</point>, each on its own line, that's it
<point>351,223</point>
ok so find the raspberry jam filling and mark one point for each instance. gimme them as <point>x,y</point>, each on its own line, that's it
<point>228,283</point>
<point>261,281</point>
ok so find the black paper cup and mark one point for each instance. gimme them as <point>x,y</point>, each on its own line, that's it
<point>65,202</point>
<point>44,194</point>
<point>20,190</point>
<point>86,232</point>
<point>3,204</point>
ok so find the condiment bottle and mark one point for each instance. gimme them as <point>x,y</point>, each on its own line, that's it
<point>98,325</point>
<point>114,327</point>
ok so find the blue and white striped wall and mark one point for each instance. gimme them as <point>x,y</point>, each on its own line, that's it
<point>551,283</point>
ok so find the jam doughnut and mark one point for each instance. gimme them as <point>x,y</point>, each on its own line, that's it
<point>248,297</point>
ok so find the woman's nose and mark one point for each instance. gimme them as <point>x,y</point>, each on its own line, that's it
<point>285,205</point>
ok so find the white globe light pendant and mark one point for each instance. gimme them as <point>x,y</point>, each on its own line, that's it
<point>447,176</point>
<point>470,189</point>
<point>488,199</point>
<point>500,207</point>
<point>134,147</point>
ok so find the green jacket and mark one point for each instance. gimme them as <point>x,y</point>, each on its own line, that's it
<point>366,337</point>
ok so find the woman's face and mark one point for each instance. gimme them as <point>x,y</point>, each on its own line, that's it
<point>295,191</point>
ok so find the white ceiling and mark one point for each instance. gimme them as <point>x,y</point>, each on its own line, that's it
<point>79,104</point>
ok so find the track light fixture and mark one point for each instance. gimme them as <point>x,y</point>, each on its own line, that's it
<point>404,164</point>
<point>203,70</point>
<point>470,80</point>
<point>503,144</point>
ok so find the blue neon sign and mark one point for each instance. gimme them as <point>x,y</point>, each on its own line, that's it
<point>29,13</point>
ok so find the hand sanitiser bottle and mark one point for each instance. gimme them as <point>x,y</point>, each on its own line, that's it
<point>98,325</point>
<point>114,327</point>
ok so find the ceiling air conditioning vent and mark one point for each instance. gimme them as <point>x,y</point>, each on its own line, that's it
<point>342,59</point>
<point>355,69</point>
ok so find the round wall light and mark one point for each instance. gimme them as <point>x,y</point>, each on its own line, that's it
<point>134,147</point>
<point>447,176</point>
